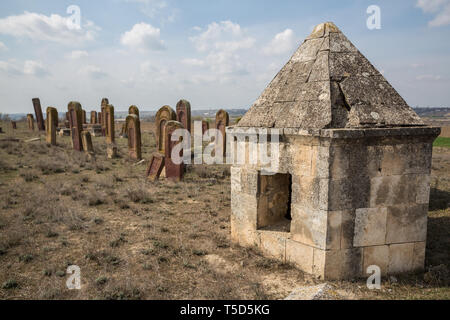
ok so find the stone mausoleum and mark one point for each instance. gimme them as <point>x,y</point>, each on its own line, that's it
<point>352,186</point>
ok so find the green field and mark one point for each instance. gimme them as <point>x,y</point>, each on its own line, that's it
<point>442,142</point>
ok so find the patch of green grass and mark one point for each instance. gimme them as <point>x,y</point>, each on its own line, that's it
<point>442,142</point>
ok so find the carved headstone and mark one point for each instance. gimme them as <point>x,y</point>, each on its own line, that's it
<point>222,121</point>
<point>75,118</point>
<point>134,136</point>
<point>30,121</point>
<point>133,110</point>
<point>99,119</point>
<point>87,142</point>
<point>52,124</point>
<point>38,112</point>
<point>14,124</point>
<point>163,115</point>
<point>93,117</point>
<point>123,130</point>
<point>109,131</point>
<point>173,171</point>
<point>184,114</point>
<point>155,166</point>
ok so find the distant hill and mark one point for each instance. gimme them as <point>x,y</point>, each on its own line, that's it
<point>433,112</point>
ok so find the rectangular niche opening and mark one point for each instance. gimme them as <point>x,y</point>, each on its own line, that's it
<point>274,202</point>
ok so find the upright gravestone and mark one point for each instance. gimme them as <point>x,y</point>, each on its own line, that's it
<point>163,115</point>
<point>83,117</point>
<point>86,140</point>
<point>99,119</point>
<point>111,147</point>
<point>134,136</point>
<point>38,112</point>
<point>205,126</point>
<point>93,117</point>
<point>184,114</point>
<point>14,125</point>
<point>174,171</point>
<point>222,121</point>
<point>133,110</point>
<point>75,118</point>
<point>66,122</point>
<point>30,121</point>
<point>52,124</point>
<point>105,102</point>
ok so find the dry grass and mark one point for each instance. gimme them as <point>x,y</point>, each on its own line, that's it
<point>134,239</point>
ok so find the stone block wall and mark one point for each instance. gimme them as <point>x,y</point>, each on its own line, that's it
<point>357,198</point>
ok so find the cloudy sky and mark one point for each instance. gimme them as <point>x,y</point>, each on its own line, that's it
<point>215,53</point>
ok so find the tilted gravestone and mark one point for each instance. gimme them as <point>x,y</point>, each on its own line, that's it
<point>134,136</point>
<point>30,121</point>
<point>14,124</point>
<point>87,142</point>
<point>38,112</point>
<point>75,118</point>
<point>111,147</point>
<point>155,166</point>
<point>163,115</point>
<point>51,125</point>
<point>184,114</point>
<point>93,117</point>
<point>222,121</point>
<point>173,171</point>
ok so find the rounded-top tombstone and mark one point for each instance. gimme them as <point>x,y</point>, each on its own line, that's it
<point>163,115</point>
<point>184,113</point>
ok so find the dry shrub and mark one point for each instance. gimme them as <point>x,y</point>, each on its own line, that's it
<point>437,276</point>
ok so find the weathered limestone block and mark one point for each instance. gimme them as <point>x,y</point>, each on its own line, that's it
<point>378,256</point>
<point>163,115</point>
<point>250,181</point>
<point>52,124</point>
<point>273,244</point>
<point>235,177</point>
<point>309,226</point>
<point>102,117</point>
<point>400,257</point>
<point>300,255</point>
<point>406,223</point>
<point>343,264</point>
<point>370,227</point>
<point>133,110</point>
<point>393,190</point>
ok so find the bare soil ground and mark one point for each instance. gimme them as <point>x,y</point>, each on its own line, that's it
<point>134,239</point>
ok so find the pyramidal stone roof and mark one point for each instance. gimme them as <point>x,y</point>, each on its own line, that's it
<point>328,83</point>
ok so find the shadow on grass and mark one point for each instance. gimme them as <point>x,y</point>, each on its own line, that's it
<point>439,199</point>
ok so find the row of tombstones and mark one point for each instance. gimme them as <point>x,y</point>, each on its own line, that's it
<point>167,121</point>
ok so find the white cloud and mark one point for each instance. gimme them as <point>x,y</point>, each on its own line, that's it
<point>34,68</point>
<point>283,42</point>
<point>225,35</point>
<point>143,36</point>
<point>221,42</point>
<point>78,54</point>
<point>10,68</point>
<point>439,7</point>
<point>3,47</point>
<point>93,72</point>
<point>53,28</point>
